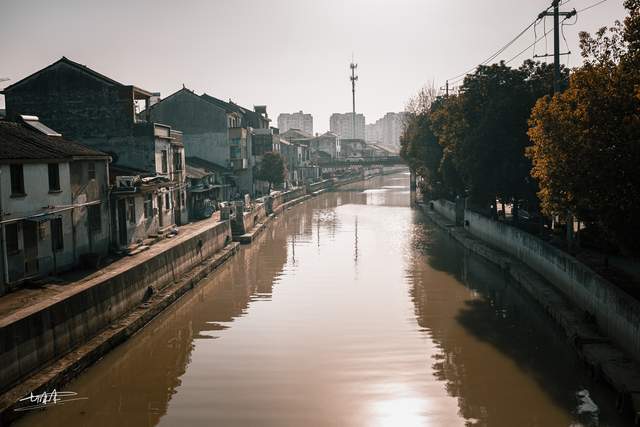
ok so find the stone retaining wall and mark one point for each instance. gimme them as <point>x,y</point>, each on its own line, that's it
<point>35,337</point>
<point>616,312</point>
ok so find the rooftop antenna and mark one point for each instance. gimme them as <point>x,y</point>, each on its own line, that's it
<point>353,79</point>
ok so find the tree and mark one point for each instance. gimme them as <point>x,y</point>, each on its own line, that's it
<point>586,140</point>
<point>483,132</point>
<point>418,144</point>
<point>272,169</point>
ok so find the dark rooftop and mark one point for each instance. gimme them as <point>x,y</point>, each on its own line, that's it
<point>20,142</point>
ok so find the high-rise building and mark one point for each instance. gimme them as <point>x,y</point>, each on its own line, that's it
<point>386,130</point>
<point>299,120</point>
<point>342,125</point>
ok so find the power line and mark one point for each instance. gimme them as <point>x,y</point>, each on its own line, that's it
<point>593,5</point>
<point>452,81</point>
<point>492,57</point>
<point>529,47</point>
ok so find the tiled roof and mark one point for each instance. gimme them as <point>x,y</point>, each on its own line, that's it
<point>83,68</point>
<point>18,142</point>
<point>251,116</point>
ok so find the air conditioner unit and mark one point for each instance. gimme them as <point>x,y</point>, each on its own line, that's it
<point>125,182</point>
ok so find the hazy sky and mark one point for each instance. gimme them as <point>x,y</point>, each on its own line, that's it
<point>287,54</point>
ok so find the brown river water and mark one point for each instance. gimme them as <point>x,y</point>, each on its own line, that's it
<point>352,309</point>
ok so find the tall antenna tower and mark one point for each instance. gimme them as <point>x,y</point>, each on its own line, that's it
<point>353,79</point>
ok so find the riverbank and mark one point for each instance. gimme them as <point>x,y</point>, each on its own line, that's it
<point>604,359</point>
<point>60,330</point>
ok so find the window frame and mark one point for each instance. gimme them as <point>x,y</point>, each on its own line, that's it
<point>12,250</point>
<point>16,172</point>
<point>164,161</point>
<point>91,170</point>
<point>148,206</point>
<point>54,185</point>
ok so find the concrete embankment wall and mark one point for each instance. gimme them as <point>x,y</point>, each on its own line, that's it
<point>320,185</point>
<point>617,313</point>
<point>28,341</point>
<point>257,215</point>
<point>389,170</point>
<point>445,208</point>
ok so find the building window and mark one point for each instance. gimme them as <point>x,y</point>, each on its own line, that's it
<point>57,239</point>
<point>148,206</point>
<point>167,200</point>
<point>184,197</point>
<point>54,177</point>
<point>17,180</point>
<point>95,218</point>
<point>11,234</point>
<point>131,210</point>
<point>177,161</point>
<point>234,152</point>
<point>91,170</point>
<point>165,166</point>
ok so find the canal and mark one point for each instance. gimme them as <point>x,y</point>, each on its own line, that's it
<point>354,310</point>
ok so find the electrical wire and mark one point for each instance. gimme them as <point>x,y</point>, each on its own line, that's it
<point>593,5</point>
<point>533,24</point>
<point>495,55</point>
<point>535,36</point>
<point>529,47</point>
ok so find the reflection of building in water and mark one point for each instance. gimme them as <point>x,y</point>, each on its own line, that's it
<point>493,339</point>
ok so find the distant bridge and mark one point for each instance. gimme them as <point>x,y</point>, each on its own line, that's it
<point>362,161</point>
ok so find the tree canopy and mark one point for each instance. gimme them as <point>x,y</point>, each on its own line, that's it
<point>586,140</point>
<point>473,143</point>
<point>272,169</point>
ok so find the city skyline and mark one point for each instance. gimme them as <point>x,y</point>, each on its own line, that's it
<point>388,76</point>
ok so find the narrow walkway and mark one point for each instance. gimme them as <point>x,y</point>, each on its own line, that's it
<point>26,301</point>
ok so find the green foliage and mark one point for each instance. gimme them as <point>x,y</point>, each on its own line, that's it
<point>272,169</point>
<point>473,143</point>
<point>586,140</point>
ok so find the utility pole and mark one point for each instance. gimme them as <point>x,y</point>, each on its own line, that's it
<point>556,40</point>
<point>353,79</point>
<point>556,80</point>
<point>446,89</point>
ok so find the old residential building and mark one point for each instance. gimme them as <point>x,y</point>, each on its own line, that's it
<point>299,120</point>
<point>100,112</point>
<point>53,202</point>
<point>327,143</point>
<point>342,125</point>
<point>214,130</point>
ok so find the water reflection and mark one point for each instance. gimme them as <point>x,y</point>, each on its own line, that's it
<point>349,310</point>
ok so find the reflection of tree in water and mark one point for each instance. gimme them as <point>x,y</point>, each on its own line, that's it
<point>494,339</point>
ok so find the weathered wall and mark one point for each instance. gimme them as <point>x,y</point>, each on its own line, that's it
<point>33,339</point>
<point>617,314</point>
<point>134,151</point>
<point>74,190</point>
<point>250,219</point>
